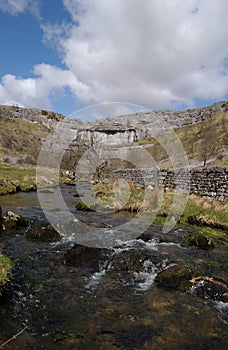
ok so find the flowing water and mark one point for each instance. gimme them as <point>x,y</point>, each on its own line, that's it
<point>109,301</point>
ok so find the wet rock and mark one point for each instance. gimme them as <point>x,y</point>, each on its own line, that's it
<point>179,236</point>
<point>88,258</point>
<point>177,277</point>
<point>201,242</point>
<point>135,336</point>
<point>132,261</point>
<point>42,234</point>
<point>14,223</point>
<point>211,290</point>
<point>125,270</point>
<point>83,207</point>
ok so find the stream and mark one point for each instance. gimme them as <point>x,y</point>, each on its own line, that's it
<point>74,297</point>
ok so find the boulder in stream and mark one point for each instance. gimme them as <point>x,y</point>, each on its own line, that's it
<point>201,242</point>
<point>88,258</point>
<point>175,277</point>
<point>11,222</point>
<point>42,234</point>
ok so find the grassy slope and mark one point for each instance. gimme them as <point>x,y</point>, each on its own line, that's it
<point>208,139</point>
<point>20,137</point>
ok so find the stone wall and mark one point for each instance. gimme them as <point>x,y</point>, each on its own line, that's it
<point>208,182</point>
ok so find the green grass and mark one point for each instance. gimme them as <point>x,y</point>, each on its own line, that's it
<point>14,178</point>
<point>5,271</point>
<point>20,137</point>
<point>213,211</point>
<point>203,142</point>
<point>119,196</point>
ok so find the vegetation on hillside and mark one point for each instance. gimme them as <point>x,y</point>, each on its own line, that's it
<point>19,137</point>
<point>205,143</point>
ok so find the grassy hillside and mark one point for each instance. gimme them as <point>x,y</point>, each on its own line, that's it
<point>20,139</point>
<point>205,143</point>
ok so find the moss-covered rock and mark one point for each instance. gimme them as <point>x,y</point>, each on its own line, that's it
<point>175,277</point>
<point>83,207</point>
<point>201,242</point>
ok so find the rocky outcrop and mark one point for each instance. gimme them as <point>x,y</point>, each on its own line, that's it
<point>130,128</point>
<point>74,137</point>
<point>31,114</point>
<point>120,130</point>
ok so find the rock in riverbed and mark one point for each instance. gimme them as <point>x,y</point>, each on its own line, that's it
<point>88,258</point>
<point>176,277</point>
<point>42,234</point>
<point>11,222</point>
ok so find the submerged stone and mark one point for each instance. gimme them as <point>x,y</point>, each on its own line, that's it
<point>201,242</point>
<point>177,277</point>
<point>42,234</point>
<point>83,207</point>
<point>88,258</point>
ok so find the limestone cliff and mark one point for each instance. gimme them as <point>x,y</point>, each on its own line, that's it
<point>17,141</point>
<point>126,129</point>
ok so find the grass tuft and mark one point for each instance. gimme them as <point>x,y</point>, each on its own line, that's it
<point>5,272</point>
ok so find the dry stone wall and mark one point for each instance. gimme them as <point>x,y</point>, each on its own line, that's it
<point>207,182</point>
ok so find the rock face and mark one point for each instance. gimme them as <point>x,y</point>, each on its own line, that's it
<point>126,129</point>
<point>74,137</point>
<point>31,114</point>
<point>120,130</point>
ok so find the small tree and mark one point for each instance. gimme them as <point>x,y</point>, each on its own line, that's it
<point>208,144</point>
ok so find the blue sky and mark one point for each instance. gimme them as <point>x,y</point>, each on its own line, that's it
<point>63,55</point>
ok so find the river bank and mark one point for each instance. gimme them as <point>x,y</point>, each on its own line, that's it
<point>15,179</point>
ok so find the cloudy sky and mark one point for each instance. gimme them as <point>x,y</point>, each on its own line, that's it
<point>66,54</point>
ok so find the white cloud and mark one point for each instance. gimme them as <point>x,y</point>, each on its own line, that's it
<point>153,53</point>
<point>37,92</point>
<point>15,7</point>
